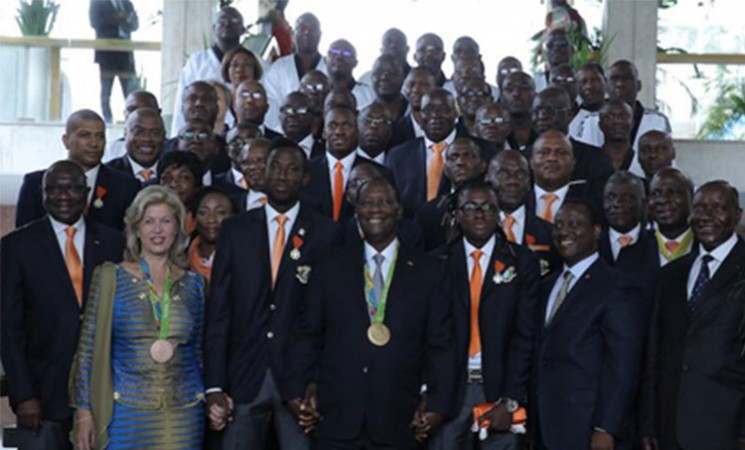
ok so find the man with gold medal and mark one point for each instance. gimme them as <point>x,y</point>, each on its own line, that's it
<point>375,328</point>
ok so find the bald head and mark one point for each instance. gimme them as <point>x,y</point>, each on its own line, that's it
<point>430,52</point>
<point>64,191</point>
<point>509,176</point>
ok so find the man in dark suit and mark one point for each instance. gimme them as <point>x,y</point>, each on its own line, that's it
<point>111,192</point>
<point>296,116</point>
<point>375,131</point>
<point>589,344</point>
<point>509,176</point>
<point>417,164</point>
<point>262,264</point>
<point>462,163</point>
<point>329,175</point>
<point>494,305</point>
<point>115,19</point>
<point>143,140</point>
<point>418,82</point>
<point>699,362</point>
<point>493,124</point>
<point>365,344</point>
<point>47,267</point>
<point>552,162</point>
<point>250,104</point>
<point>670,203</point>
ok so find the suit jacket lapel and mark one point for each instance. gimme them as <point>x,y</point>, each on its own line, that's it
<point>258,229</point>
<point>287,263</point>
<point>461,277</point>
<point>604,247</point>
<point>730,267</point>
<point>50,249</point>
<point>327,194</point>
<point>420,166</point>
<point>579,287</point>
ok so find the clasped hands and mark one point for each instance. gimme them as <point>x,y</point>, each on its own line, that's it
<point>219,410</point>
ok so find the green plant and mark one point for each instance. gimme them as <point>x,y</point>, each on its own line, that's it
<point>726,118</point>
<point>36,17</point>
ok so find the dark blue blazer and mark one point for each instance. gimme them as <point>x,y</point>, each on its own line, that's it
<point>120,192</point>
<point>698,362</point>
<point>40,314</point>
<point>538,236</point>
<point>587,359</point>
<point>247,323</point>
<point>429,217</point>
<point>364,389</point>
<point>506,319</point>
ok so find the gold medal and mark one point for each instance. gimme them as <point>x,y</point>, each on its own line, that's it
<point>161,351</point>
<point>98,203</point>
<point>379,334</point>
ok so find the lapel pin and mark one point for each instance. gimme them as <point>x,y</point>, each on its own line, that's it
<point>410,263</point>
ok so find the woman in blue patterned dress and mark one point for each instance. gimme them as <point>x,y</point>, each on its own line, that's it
<point>136,381</point>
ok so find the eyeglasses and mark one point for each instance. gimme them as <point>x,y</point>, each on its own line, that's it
<point>549,111</point>
<point>293,111</point>
<point>493,121</point>
<point>314,87</point>
<point>473,93</point>
<point>256,95</point>
<point>560,79</point>
<point>194,136</point>
<point>472,208</point>
<point>508,70</point>
<point>231,21</point>
<point>339,53</point>
<point>237,143</point>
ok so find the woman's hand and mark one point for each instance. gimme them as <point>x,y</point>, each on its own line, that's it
<point>86,430</point>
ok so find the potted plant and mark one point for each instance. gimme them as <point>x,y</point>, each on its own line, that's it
<point>36,17</point>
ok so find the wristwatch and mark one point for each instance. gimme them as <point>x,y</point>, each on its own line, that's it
<point>510,405</point>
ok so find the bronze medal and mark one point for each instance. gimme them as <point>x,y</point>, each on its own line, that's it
<point>379,334</point>
<point>161,351</point>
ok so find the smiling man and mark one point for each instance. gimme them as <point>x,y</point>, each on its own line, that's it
<point>585,367</point>
<point>144,138</point>
<point>365,343</point>
<point>670,196</point>
<point>701,295</point>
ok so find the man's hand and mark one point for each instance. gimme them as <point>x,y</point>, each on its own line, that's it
<point>650,443</point>
<point>498,417</point>
<point>305,410</point>
<point>86,430</point>
<point>601,441</point>
<point>219,410</point>
<point>29,414</point>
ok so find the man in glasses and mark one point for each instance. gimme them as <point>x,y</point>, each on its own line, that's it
<point>198,138</point>
<point>207,64</point>
<point>493,307</point>
<point>624,84</point>
<point>111,192</point>
<point>506,66</point>
<point>47,268</point>
<point>297,117</point>
<point>284,75</point>
<point>250,104</point>
<point>375,131</point>
<point>315,84</point>
<point>144,138</point>
<point>493,124</point>
<point>472,94</point>
<point>341,59</point>
<point>564,77</point>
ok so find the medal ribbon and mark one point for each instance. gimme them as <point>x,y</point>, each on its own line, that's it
<point>161,304</point>
<point>683,247</point>
<point>376,306</point>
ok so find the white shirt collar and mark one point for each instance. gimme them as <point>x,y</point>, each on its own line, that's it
<point>291,214</point>
<point>722,251</point>
<point>380,158</point>
<point>59,227</point>
<point>207,178</point>
<point>487,248</point>
<point>518,214</point>
<point>581,267</point>
<point>307,144</point>
<point>448,140</point>
<point>91,175</point>
<point>347,161</point>
<point>237,176</point>
<point>387,252</point>
<point>560,193</point>
<point>137,168</point>
<point>633,234</point>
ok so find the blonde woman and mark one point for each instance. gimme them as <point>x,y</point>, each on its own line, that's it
<point>136,380</point>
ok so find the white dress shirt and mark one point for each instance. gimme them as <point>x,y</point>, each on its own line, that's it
<point>78,238</point>
<point>388,253</point>
<point>380,158</point>
<point>91,175</point>
<point>137,169</point>
<point>279,80</point>
<point>474,362</point>
<point>540,203</point>
<point>346,163</point>
<point>430,153</point>
<point>613,235</point>
<point>577,271</point>
<point>272,225</point>
<point>202,65</point>
<point>253,199</point>
<point>719,254</point>
<point>518,228</point>
<point>307,144</point>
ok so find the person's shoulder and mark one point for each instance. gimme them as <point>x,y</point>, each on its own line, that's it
<point>24,232</point>
<point>119,178</point>
<point>402,150</point>
<point>34,176</point>
<point>279,65</point>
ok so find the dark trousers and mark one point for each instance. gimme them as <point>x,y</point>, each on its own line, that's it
<point>128,82</point>
<point>252,421</point>
<point>457,434</point>
<point>51,436</point>
<point>362,443</point>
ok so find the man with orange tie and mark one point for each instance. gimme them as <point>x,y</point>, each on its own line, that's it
<point>494,305</point>
<point>47,267</point>
<point>509,176</point>
<point>330,173</point>
<point>670,202</point>
<point>552,162</point>
<point>262,264</point>
<point>418,164</point>
<point>143,140</point>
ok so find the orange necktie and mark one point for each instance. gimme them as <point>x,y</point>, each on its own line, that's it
<point>74,266</point>
<point>474,345</point>
<point>625,240</point>
<point>671,246</point>
<point>548,214</point>
<point>278,248</point>
<point>509,222</point>
<point>146,174</point>
<point>338,189</point>
<point>434,172</point>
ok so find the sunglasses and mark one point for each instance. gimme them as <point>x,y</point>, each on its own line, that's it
<point>194,136</point>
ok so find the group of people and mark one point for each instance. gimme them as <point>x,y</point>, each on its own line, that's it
<point>399,261</point>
